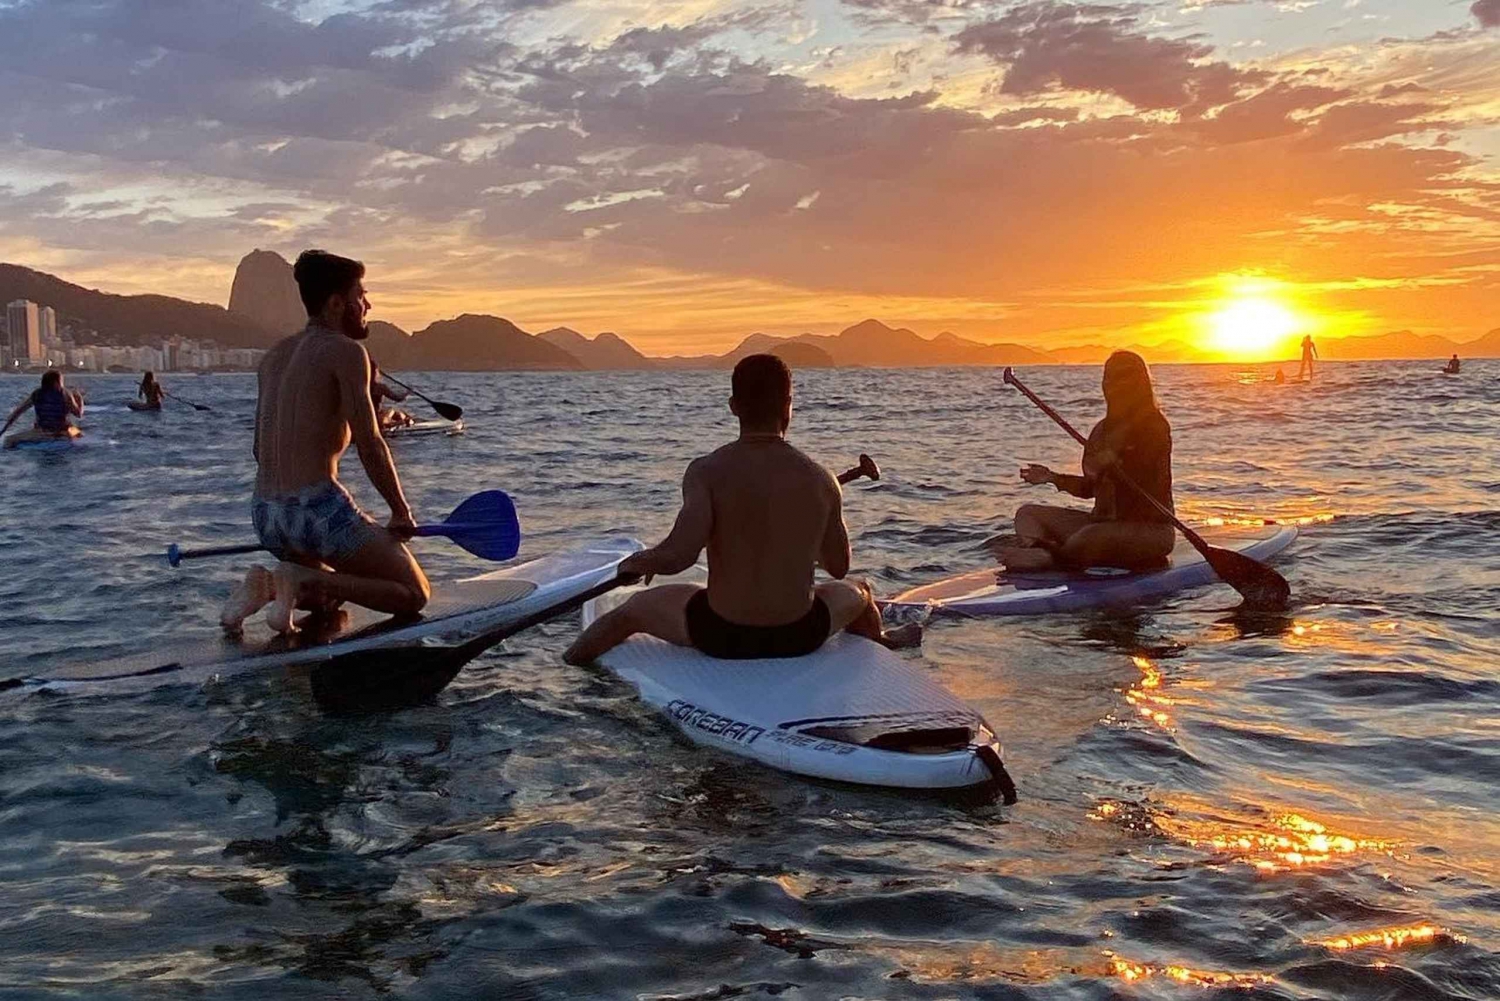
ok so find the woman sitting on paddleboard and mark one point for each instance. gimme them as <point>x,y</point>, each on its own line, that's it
<point>1124,529</point>
<point>151,391</point>
<point>52,404</point>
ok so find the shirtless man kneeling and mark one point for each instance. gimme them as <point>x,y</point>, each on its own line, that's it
<point>315,397</point>
<point>768,515</point>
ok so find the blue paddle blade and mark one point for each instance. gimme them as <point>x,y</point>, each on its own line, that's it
<point>485,525</point>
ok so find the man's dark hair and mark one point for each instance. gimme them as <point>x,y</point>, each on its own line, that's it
<point>51,379</point>
<point>320,274</point>
<point>762,385</point>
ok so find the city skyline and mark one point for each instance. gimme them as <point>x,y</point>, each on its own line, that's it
<point>1235,174</point>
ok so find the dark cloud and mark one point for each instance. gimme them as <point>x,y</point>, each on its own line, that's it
<point>1487,12</point>
<point>1102,48</point>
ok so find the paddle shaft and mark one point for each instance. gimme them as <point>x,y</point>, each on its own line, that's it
<point>173,396</point>
<point>1114,470</point>
<point>448,410</point>
<point>255,547</point>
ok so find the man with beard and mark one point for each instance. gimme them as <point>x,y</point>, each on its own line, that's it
<point>314,398</point>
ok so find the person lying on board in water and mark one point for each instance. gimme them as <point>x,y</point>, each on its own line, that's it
<point>53,403</point>
<point>1452,368</point>
<point>768,515</point>
<point>151,391</point>
<point>1123,530</point>
<point>314,396</point>
<point>389,417</point>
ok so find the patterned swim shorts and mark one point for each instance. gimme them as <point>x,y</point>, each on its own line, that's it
<point>321,522</point>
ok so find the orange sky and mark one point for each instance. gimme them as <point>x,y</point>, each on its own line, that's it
<point>1228,174</point>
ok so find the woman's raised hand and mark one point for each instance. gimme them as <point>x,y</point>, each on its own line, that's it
<point>1036,474</point>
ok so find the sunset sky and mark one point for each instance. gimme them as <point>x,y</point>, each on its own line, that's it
<point>1232,173</point>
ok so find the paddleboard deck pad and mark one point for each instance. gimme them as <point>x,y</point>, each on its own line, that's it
<point>422,429</point>
<point>853,711</point>
<point>995,591</point>
<point>458,619</point>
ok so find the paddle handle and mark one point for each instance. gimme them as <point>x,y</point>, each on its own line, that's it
<point>1009,376</point>
<point>866,467</point>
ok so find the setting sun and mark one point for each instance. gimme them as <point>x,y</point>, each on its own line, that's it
<point>1251,328</point>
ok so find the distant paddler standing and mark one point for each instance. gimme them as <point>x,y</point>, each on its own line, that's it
<point>149,395</point>
<point>314,397</point>
<point>53,404</point>
<point>1309,355</point>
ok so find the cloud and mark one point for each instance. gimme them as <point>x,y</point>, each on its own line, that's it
<point>480,150</point>
<point>1101,48</point>
<point>1487,12</point>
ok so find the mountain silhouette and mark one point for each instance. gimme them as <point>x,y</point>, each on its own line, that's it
<point>131,319</point>
<point>606,351</point>
<point>265,292</point>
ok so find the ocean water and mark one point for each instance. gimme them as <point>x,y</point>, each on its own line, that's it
<point>1211,806</point>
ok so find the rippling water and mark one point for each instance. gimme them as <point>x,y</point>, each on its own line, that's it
<point>1297,808</point>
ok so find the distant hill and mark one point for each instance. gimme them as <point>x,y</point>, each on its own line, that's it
<point>478,343</point>
<point>873,344</point>
<point>1487,346</point>
<point>265,293</point>
<point>799,355</point>
<point>131,319</point>
<point>606,351</point>
<point>1398,344</point>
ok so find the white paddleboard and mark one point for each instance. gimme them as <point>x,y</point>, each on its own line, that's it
<point>459,612</point>
<point>993,591</point>
<point>422,429</point>
<point>852,712</point>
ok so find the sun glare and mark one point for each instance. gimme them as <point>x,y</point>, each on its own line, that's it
<point>1251,328</point>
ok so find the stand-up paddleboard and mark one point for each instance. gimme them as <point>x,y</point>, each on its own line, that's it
<point>455,622</point>
<point>851,712</point>
<point>999,592</point>
<point>141,406</point>
<point>420,429</point>
<point>36,439</point>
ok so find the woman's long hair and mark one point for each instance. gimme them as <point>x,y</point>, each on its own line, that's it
<point>1128,392</point>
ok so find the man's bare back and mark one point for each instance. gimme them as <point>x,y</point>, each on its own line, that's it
<point>300,431</point>
<point>768,516</point>
<point>776,515</point>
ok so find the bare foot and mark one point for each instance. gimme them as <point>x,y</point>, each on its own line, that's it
<point>248,597</point>
<point>1023,558</point>
<point>903,637</point>
<point>288,578</point>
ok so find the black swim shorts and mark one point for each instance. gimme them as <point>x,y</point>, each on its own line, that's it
<point>718,637</point>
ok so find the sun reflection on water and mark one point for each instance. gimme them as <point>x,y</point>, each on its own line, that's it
<point>1274,844</point>
<point>1390,938</point>
<point>1133,972</point>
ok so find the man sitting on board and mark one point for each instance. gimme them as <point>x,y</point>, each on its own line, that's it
<point>768,515</point>
<point>314,397</point>
<point>389,417</point>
